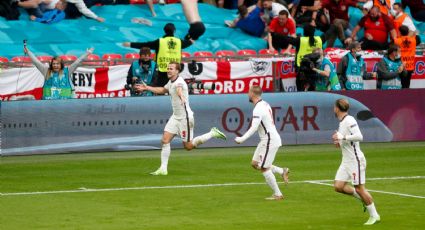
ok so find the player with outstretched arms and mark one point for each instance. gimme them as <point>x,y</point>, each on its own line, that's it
<point>182,121</point>
<point>353,165</point>
<point>263,122</point>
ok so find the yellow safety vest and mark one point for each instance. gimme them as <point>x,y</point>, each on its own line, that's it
<point>170,49</point>
<point>305,47</point>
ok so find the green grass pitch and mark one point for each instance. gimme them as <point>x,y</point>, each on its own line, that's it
<point>233,199</point>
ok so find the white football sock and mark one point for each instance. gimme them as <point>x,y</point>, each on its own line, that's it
<point>201,139</point>
<point>356,195</point>
<point>271,181</point>
<point>165,154</point>
<point>372,210</point>
<point>277,170</point>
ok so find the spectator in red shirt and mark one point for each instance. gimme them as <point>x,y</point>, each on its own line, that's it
<point>279,28</point>
<point>376,26</point>
<point>338,13</point>
<point>417,8</point>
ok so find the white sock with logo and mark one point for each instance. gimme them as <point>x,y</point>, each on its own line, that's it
<point>165,154</point>
<point>201,139</point>
<point>271,181</point>
<point>372,210</point>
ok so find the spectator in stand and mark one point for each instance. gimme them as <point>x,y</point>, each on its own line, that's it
<point>327,79</point>
<point>249,20</point>
<point>305,45</point>
<point>400,18</point>
<point>384,6</point>
<point>417,8</point>
<point>52,16</point>
<point>271,9</point>
<point>77,8</point>
<point>376,26</point>
<point>407,45</point>
<point>391,70</point>
<point>57,84</point>
<point>141,71</point>
<point>352,69</point>
<point>338,13</point>
<point>168,49</point>
<point>308,13</point>
<point>279,28</point>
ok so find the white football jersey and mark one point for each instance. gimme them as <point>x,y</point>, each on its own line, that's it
<point>180,111</point>
<point>262,119</point>
<point>350,149</point>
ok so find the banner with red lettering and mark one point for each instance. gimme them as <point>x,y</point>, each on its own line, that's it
<point>229,78</point>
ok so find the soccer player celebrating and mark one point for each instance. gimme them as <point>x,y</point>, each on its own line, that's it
<point>263,122</point>
<point>182,121</point>
<point>353,166</point>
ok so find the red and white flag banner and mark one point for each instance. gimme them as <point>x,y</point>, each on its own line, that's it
<point>229,77</point>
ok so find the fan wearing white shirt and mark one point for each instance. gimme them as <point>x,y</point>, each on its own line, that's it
<point>353,165</point>
<point>182,121</point>
<point>263,122</point>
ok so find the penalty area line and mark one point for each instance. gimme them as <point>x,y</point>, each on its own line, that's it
<point>85,190</point>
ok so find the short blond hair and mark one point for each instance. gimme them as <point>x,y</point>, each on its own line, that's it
<point>256,90</point>
<point>342,104</point>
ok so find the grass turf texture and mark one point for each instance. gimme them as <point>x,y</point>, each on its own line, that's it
<point>306,206</point>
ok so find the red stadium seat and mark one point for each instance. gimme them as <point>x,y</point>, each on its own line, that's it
<point>112,56</point>
<point>44,58</point>
<point>68,57</point>
<point>153,55</point>
<point>185,55</point>
<point>92,60</point>
<point>249,53</point>
<point>21,59</point>
<point>3,60</point>
<point>112,59</point>
<point>203,56</point>
<point>292,51</point>
<point>93,57</point>
<point>267,52</point>
<point>224,55</point>
<point>132,56</point>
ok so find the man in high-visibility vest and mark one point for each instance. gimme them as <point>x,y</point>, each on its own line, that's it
<point>390,69</point>
<point>168,49</point>
<point>401,18</point>
<point>384,5</point>
<point>407,45</point>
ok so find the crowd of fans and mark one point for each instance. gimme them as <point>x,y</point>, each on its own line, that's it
<point>386,27</point>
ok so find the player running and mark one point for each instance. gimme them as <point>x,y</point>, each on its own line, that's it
<point>262,121</point>
<point>353,165</point>
<point>182,121</point>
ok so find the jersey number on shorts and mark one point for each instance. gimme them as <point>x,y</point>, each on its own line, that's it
<point>354,176</point>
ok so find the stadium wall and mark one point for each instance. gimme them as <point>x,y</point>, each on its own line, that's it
<point>116,124</point>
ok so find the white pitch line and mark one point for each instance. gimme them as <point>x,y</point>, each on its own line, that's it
<point>377,191</point>
<point>83,190</point>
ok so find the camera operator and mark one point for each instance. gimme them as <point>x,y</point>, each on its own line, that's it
<point>326,79</point>
<point>141,71</point>
<point>352,69</point>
